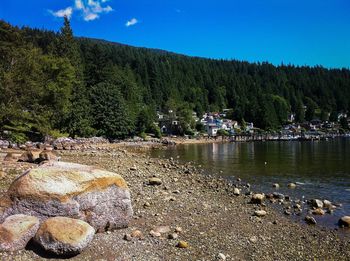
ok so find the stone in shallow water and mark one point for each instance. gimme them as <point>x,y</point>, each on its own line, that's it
<point>16,232</point>
<point>292,185</point>
<point>344,221</point>
<point>317,203</point>
<point>64,236</point>
<point>318,211</point>
<point>99,197</point>
<point>310,220</point>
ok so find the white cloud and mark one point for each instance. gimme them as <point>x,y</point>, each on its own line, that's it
<point>90,16</point>
<point>89,9</point>
<point>131,22</point>
<point>63,12</point>
<point>79,4</point>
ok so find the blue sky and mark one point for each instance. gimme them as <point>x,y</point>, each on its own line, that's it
<point>300,32</point>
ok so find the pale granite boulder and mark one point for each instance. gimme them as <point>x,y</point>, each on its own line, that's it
<point>99,197</point>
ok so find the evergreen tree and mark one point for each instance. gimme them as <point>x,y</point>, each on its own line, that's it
<point>109,112</point>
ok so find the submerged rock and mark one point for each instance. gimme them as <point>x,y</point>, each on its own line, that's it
<point>96,196</point>
<point>16,232</point>
<point>64,236</point>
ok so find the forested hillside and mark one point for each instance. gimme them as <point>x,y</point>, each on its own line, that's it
<point>53,84</point>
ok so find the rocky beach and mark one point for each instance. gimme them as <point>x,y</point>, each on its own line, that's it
<point>181,214</point>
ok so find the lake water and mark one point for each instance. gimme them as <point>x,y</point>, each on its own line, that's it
<point>320,168</point>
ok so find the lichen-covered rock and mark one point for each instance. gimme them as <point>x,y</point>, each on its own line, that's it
<point>99,197</point>
<point>16,232</point>
<point>64,236</point>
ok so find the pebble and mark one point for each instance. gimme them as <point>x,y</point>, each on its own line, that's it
<point>155,234</point>
<point>236,192</point>
<point>278,195</point>
<point>182,244</point>
<point>173,236</point>
<point>260,213</point>
<point>178,230</point>
<point>221,256</point>
<point>137,234</point>
<point>154,181</point>
<point>127,237</point>
<point>162,229</point>
<point>310,220</point>
<point>287,212</point>
<point>253,239</point>
<point>276,185</point>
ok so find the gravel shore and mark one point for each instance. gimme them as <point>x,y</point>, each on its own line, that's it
<point>200,211</point>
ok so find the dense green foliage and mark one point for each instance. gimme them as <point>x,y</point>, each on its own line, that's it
<point>52,83</point>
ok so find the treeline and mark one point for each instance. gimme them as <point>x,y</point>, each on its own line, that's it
<point>54,84</point>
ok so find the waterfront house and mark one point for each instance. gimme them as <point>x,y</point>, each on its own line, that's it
<point>212,129</point>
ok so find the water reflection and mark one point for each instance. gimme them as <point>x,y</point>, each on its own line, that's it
<point>323,167</point>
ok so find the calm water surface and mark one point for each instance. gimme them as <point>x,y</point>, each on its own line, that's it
<point>320,168</point>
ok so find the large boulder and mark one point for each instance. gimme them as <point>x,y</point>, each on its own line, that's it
<point>64,236</point>
<point>99,197</point>
<point>16,232</point>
